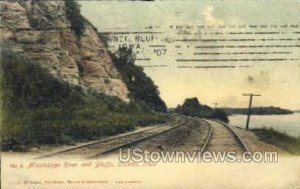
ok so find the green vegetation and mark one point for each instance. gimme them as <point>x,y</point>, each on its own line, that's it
<point>141,87</point>
<point>281,140</point>
<point>192,107</point>
<point>258,111</point>
<point>75,17</point>
<point>40,109</point>
<point>220,114</point>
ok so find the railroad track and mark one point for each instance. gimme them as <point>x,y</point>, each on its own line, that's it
<point>106,146</point>
<point>222,137</point>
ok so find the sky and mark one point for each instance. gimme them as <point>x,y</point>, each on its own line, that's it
<point>277,82</point>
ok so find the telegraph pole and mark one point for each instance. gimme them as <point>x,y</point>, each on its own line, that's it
<point>249,108</point>
<point>216,104</point>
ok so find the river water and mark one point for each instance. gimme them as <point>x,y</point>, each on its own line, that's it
<point>289,124</point>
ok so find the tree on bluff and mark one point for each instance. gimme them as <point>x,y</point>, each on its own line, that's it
<point>141,87</point>
<point>75,17</point>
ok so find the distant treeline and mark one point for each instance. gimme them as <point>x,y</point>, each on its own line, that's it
<point>192,107</point>
<point>258,111</point>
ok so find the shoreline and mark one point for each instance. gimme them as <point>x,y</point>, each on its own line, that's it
<point>279,139</point>
<point>285,124</point>
<point>263,114</point>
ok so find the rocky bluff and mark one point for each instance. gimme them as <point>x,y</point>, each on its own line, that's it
<point>41,31</point>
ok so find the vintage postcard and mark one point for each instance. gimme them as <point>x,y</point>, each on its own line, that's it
<point>171,94</point>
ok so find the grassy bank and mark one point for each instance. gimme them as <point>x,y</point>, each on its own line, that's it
<point>281,140</point>
<point>37,108</point>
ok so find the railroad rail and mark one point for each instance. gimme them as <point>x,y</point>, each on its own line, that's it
<point>238,140</point>
<point>208,138</point>
<point>109,145</point>
<point>146,136</point>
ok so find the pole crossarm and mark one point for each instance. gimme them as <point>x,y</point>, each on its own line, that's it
<point>216,104</point>
<point>251,94</point>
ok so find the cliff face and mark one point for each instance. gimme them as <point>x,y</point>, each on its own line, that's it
<point>42,32</point>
